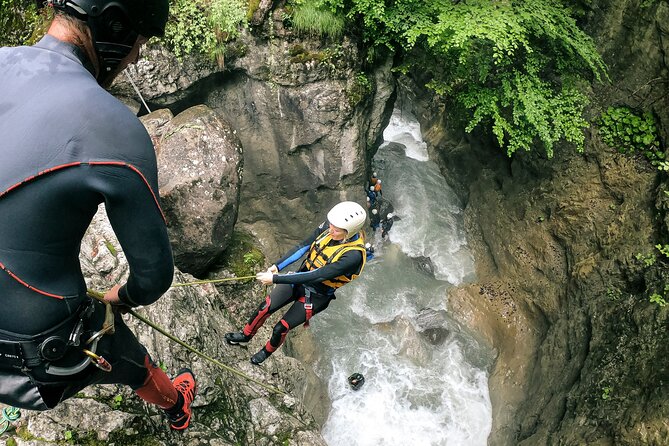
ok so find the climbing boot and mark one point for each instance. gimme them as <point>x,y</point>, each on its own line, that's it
<point>260,357</point>
<point>237,338</point>
<point>179,416</point>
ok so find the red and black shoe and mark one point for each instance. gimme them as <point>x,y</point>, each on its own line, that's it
<point>186,386</point>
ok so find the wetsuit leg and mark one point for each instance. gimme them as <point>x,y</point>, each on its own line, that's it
<point>295,316</point>
<point>281,295</point>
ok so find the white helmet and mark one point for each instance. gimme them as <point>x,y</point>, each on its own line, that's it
<point>378,181</point>
<point>390,215</point>
<point>371,188</point>
<point>349,216</point>
<point>374,211</point>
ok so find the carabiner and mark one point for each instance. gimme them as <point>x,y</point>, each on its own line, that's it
<point>98,361</point>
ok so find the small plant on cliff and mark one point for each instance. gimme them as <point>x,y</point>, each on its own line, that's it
<point>648,260</point>
<point>241,256</point>
<point>202,26</point>
<point>116,402</point>
<point>630,133</point>
<point>664,249</point>
<point>227,16</point>
<point>360,88</point>
<point>657,299</point>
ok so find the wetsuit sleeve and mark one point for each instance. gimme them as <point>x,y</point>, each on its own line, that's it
<point>349,263</point>
<point>139,226</point>
<point>298,251</point>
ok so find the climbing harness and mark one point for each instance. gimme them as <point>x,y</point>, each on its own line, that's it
<point>9,414</point>
<point>49,347</point>
<point>98,295</point>
<point>89,347</point>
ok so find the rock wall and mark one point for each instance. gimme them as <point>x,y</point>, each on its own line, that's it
<point>307,115</point>
<point>560,293</point>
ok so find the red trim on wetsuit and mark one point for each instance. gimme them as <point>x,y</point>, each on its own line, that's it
<point>61,167</point>
<point>138,172</point>
<point>38,174</point>
<point>308,310</point>
<point>30,287</point>
<point>252,327</point>
<point>269,347</point>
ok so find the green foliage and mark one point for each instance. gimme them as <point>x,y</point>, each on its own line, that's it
<point>116,401</point>
<point>631,133</point>
<point>664,249</point>
<point>606,393</point>
<point>657,299</point>
<point>313,18</point>
<point>648,260</point>
<point>188,30</point>
<point>202,26</point>
<point>20,22</point>
<point>241,256</point>
<point>226,17</point>
<point>516,67</point>
<point>253,7</point>
<point>614,294</point>
<point>361,88</point>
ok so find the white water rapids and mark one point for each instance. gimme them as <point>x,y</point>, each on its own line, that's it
<point>419,391</point>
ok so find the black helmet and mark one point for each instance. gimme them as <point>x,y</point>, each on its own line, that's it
<point>115,24</point>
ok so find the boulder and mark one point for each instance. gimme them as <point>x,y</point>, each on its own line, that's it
<point>200,164</point>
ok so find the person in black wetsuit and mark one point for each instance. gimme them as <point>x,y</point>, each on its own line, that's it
<point>68,146</point>
<point>386,224</point>
<point>335,255</point>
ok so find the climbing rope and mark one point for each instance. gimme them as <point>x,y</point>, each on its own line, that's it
<point>100,296</point>
<point>9,414</point>
<point>201,282</point>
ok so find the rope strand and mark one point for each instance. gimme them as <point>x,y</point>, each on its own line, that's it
<point>100,296</point>
<point>200,282</point>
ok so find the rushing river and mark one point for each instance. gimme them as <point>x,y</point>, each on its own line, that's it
<point>420,389</point>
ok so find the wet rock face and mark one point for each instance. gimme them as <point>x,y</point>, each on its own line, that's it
<point>306,140</point>
<point>200,167</point>
<point>559,292</point>
<point>306,114</point>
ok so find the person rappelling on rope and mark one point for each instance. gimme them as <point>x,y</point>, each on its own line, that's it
<point>335,255</point>
<point>68,146</point>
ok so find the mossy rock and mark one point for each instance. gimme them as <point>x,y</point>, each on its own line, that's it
<point>241,256</point>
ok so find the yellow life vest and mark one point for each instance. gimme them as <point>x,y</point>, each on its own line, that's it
<point>321,254</point>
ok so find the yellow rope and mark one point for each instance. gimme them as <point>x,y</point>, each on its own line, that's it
<point>99,296</point>
<point>200,282</point>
